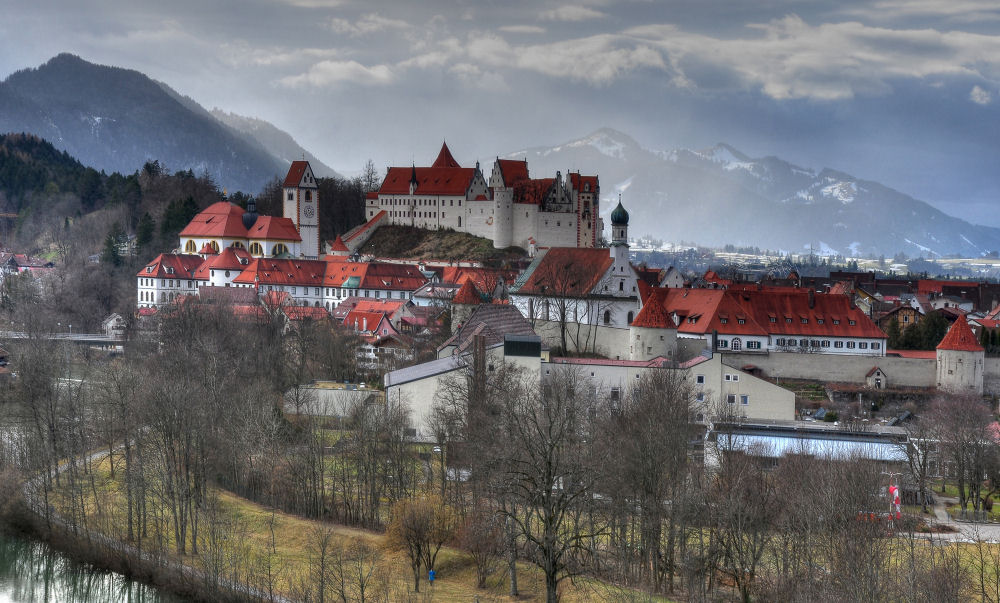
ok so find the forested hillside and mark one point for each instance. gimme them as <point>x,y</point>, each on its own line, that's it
<point>68,212</point>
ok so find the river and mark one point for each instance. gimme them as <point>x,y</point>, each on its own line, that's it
<point>32,572</point>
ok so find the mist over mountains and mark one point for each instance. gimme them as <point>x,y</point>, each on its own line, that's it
<point>117,119</point>
<point>719,195</point>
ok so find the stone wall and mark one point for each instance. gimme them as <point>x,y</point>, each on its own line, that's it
<point>906,372</point>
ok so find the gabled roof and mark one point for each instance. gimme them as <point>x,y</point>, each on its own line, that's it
<point>222,219</point>
<point>171,265</point>
<point>467,295</point>
<point>444,158</point>
<point>960,338</point>
<point>532,191</point>
<point>513,170</point>
<point>493,321</point>
<point>373,275</point>
<point>579,182</point>
<point>365,321</point>
<point>338,245</point>
<point>230,259</point>
<point>207,249</point>
<point>295,173</point>
<point>567,272</point>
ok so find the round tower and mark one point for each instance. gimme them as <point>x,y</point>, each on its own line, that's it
<point>960,359</point>
<point>619,233</point>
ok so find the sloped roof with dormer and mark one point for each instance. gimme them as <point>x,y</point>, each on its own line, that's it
<point>492,321</point>
<point>273,228</point>
<point>171,265</point>
<point>222,219</point>
<point>566,272</point>
<point>274,271</point>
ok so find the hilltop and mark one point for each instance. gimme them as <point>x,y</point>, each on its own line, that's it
<point>418,243</point>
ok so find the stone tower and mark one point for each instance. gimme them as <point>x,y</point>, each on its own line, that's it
<point>301,205</point>
<point>960,359</point>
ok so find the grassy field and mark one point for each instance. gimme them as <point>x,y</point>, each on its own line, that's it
<point>257,532</point>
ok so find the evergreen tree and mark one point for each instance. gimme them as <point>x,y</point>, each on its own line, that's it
<point>894,333</point>
<point>144,233</point>
<point>932,330</point>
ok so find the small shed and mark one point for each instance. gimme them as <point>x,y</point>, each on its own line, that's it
<point>876,378</point>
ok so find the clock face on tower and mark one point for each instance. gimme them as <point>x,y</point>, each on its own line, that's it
<point>309,211</point>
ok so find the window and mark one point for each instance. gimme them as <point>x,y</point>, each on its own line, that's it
<point>753,345</point>
<point>836,321</point>
<point>825,343</point>
<point>780,342</point>
<point>814,343</point>
<point>291,196</point>
<point>700,397</point>
<point>850,345</point>
<point>876,345</point>
<point>838,344</point>
<point>906,318</point>
<point>805,321</point>
<point>741,321</point>
<point>863,345</point>
<point>279,249</point>
<point>722,344</point>
<point>850,322</point>
<point>724,320</point>
<point>788,320</point>
<point>773,319</point>
<point>699,379</point>
<point>736,344</point>
<point>630,317</point>
<point>744,399</point>
<point>190,247</point>
<point>607,317</point>
<point>616,394</point>
<point>731,398</point>
<point>256,249</point>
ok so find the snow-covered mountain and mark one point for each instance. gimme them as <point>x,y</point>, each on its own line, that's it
<point>720,195</point>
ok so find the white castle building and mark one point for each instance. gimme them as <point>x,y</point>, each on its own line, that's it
<point>510,208</point>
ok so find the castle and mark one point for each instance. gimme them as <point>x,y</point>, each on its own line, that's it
<point>511,208</point>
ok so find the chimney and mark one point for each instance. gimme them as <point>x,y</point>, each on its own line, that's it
<point>812,299</point>
<point>364,323</point>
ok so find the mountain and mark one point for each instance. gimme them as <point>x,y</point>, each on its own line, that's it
<point>720,195</point>
<point>118,119</point>
<point>278,142</point>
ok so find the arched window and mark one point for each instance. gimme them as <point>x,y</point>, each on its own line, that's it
<point>736,345</point>
<point>256,249</point>
<point>214,246</point>
<point>190,247</point>
<point>237,245</point>
<point>621,285</point>
<point>607,317</point>
<point>279,249</point>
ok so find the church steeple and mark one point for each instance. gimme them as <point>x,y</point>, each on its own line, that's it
<point>619,224</point>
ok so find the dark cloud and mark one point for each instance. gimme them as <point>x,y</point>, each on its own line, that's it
<point>901,91</point>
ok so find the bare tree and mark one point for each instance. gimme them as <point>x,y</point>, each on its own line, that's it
<point>421,526</point>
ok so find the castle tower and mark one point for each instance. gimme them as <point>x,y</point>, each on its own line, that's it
<point>301,205</point>
<point>462,305</point>
<point>960,359</point>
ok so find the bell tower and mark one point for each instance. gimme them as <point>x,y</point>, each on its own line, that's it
<point>301,205</point>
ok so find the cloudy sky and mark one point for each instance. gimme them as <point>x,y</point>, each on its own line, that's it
<point>903,92</point>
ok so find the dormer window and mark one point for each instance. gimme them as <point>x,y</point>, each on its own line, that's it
<point>805,321</point>
<point>850,322</point>
<point>149,269</point>
<point>724,320</point>
<point>836,321</point>
<point>741,321</point>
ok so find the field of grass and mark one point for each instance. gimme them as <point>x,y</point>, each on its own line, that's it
<point>254,531</point>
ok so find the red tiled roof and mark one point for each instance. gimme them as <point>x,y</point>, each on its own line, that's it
<point>568,271</point>
<point>363,321</point>
<point>374,275</point>
<point>960,338</point>
<point>222,219</point>
<point>532,191</point>
<point>765,312</point>
<point>273,228</point>
<point>276,299</point>
<point>371,195</point>
<point>295,173</point>
<point>453,181</point>
<point>579,182</point>
<point>937,286</point>
<point>467,295</point>
<point>338,245</point>
<point>653,315</point>
<point>485,279</point>
<point>989,323</point>
<point>183,266</point>
<point>231,258</point>
<point>207,249</point>
<point>513,170</point>
<point>920,354</point>
<point>272,271</point>
<point>645,290</point>
<point>444,158</point>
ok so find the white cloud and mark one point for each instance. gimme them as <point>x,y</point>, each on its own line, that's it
<point>980,96</point>
<point>792,59</point>
<point>522,29</point>
<point>332,73</point>
<point>474,76</point>
<point>571,13</point>
<point>367,24</point>
<point>958,11</point>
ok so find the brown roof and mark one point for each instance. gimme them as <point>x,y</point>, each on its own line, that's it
<point>568,272</point>
<point>493,321</point>
<point>295,173</point>
<point>467,295</point>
